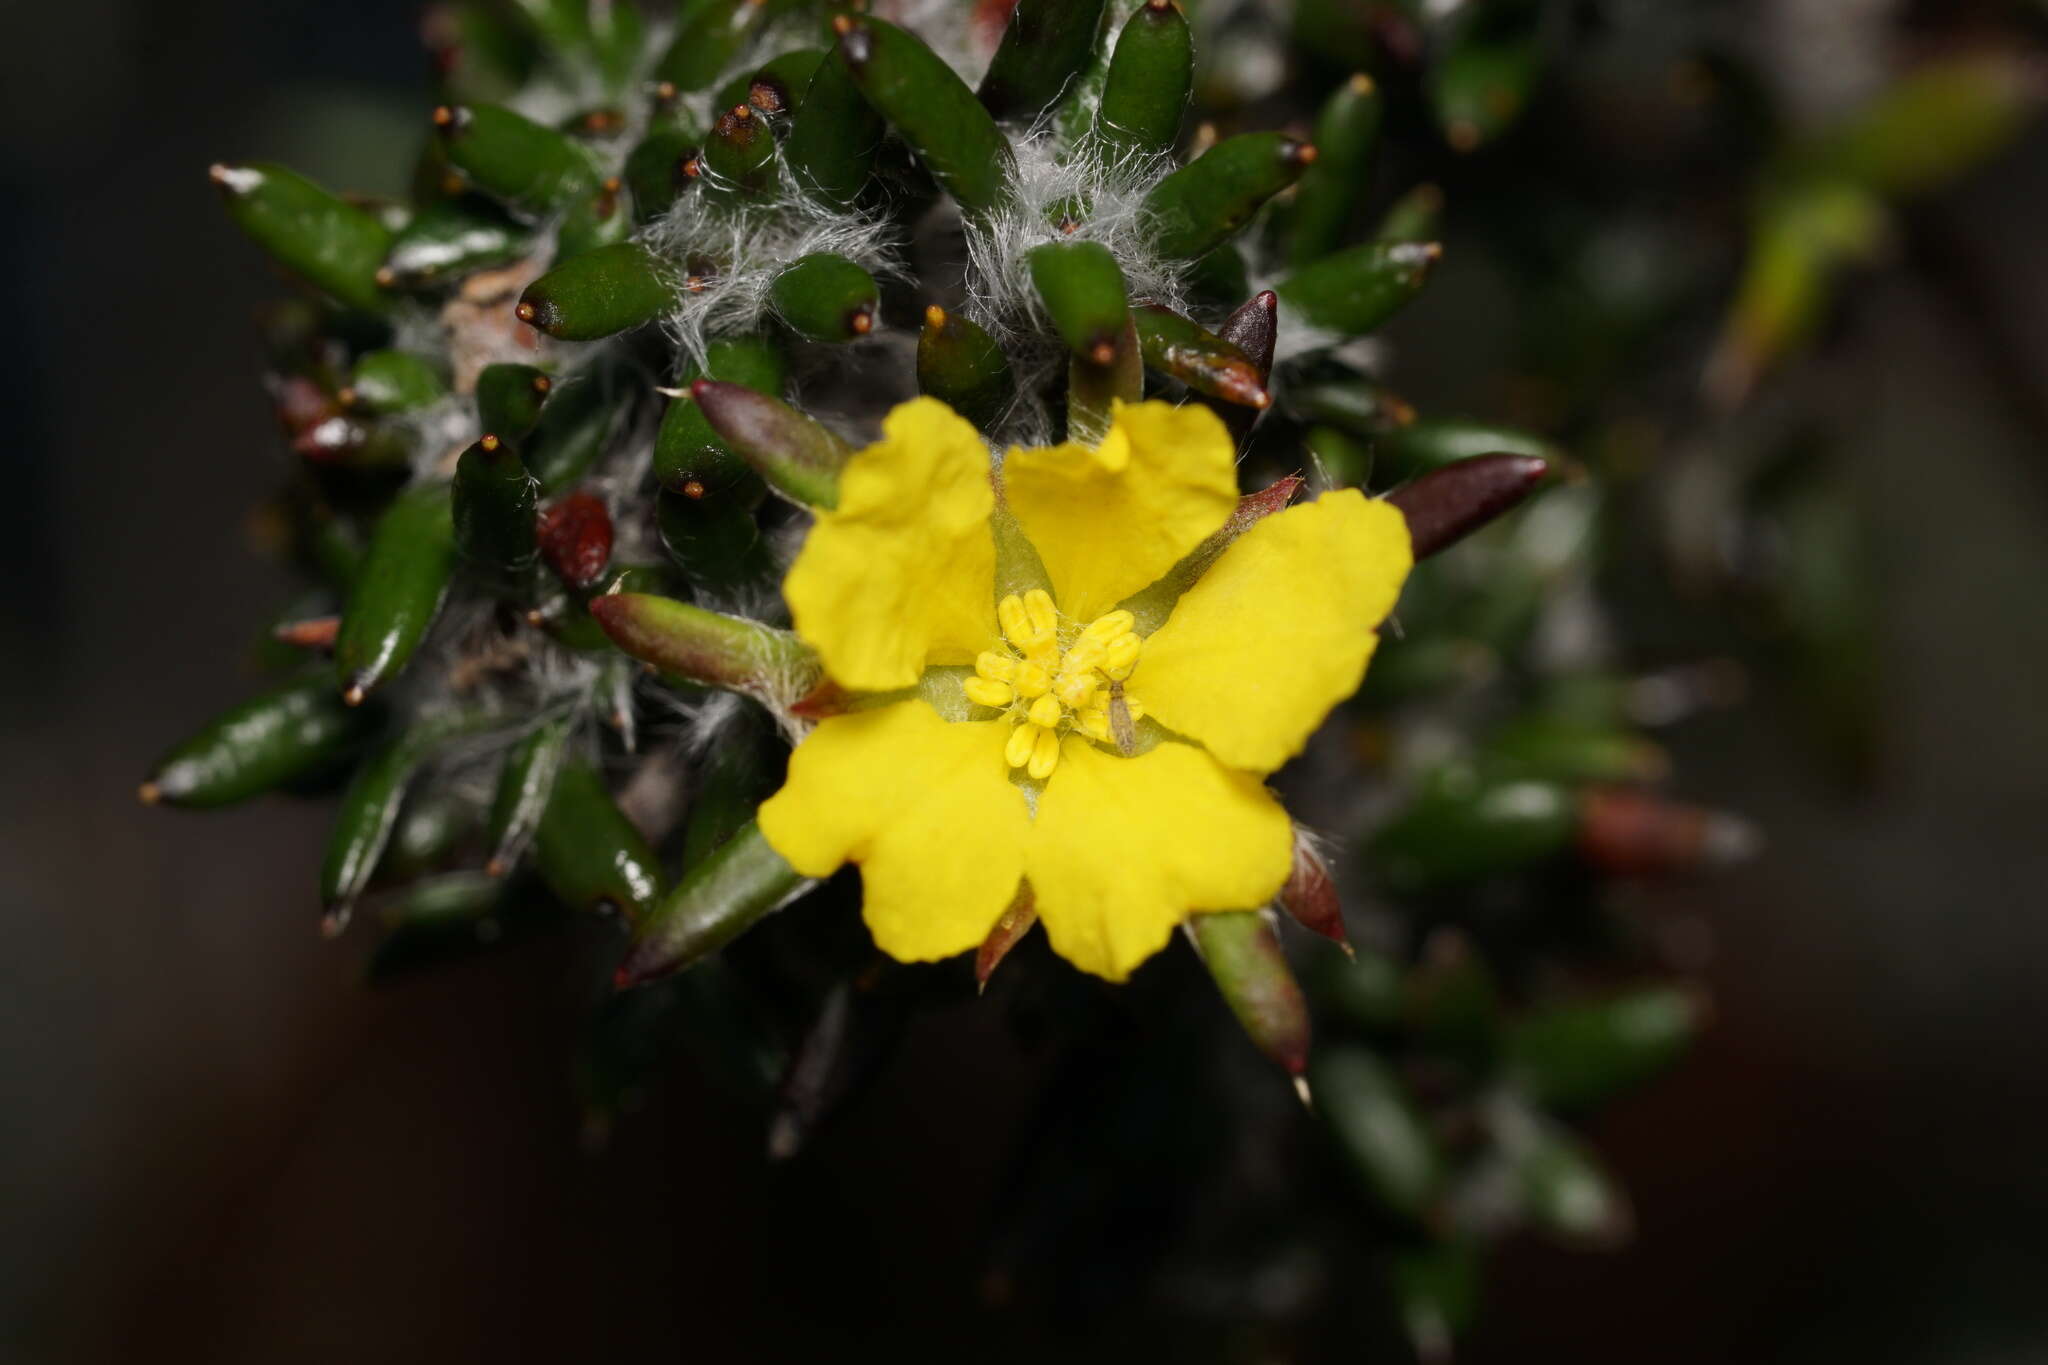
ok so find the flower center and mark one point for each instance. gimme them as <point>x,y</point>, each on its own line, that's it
<point>1047,684</point>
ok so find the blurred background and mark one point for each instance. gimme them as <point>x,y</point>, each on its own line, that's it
<point>218,1144</point>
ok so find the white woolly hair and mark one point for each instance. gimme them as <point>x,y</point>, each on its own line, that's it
<point>747,245</point>
<point>1110,189</point>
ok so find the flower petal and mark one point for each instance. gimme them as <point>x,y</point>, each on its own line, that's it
<point>1108,521</point>
<point>926,808</point>
<point>1123,849</point>
<point>1278,631</point>
<point>904,568</point>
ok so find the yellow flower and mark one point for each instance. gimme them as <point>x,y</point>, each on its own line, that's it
<point>1043,732</point>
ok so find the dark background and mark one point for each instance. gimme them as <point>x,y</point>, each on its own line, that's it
<point>217,1145</point>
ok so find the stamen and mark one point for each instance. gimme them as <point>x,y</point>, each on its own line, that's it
<point>1109,626</point>
<point>1044,616</point>
<point>1087,653</point>
<point>983,692</point>
<point>1050,689</point>
<point>1122,657</point>
<point>1018,749</point>
<point>1045,754</point>
<point>1015,621</point>
<point>1074,690</point>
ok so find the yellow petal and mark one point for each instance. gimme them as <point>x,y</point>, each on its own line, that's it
<point>903,570</point>
<point>1108,521</point>
<point>1123,849</point>
<point>1279,629</point>
<point>927,810</point>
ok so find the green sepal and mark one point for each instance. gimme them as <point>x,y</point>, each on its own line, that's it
<point>1328,196</point>
<point>320,237</point>
<point>525,783</point>
<point>798,456</point>
<point>575,426</point>
<point>1578,1055</point>
<point>494,501</point>
<point>522,164</point>
<point>686,447</point>
<point>599,294</point>
<point>711,35</point>
<point>268,742</point>
<point>452,238</point>
<point>1462,828</point>
<point>716,901</point>
<point>390,381</point>
<point>710,534</point>
<point>827,298</point>
<point>1241,949</point>
<point>654,171</point>
<point>1208,201</point>
<point>1083,292</point>
<point>933,110</point>
<point>509,399</point>
<point>960,365</point>
<point>739,155</point>
<point>834,134</point>
<point>588,852</point>
<point>403,582</point>
<point>1044,46</point>
<point>1354,291</point>
<point>369,808</point>
<point>599,219</point>
<point>1145,93</point>
<point>1378,1128</point>
<point>707,647</point>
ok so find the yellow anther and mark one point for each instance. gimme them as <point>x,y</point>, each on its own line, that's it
<point>1095,723</point>
<point>1108,626</point>
<point>984,692</point>
<point>1044,616</point>
<point>1045,711</point>
<point>1074,689</point>
<point>996,667</point>
<point>1122,656</point>
<point>1045,653</point>
<point>1032,680</point>
<point>1086,654</point>
<point>1016,622</point>
<point>1045,754</point>
<point>1023,739</point>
